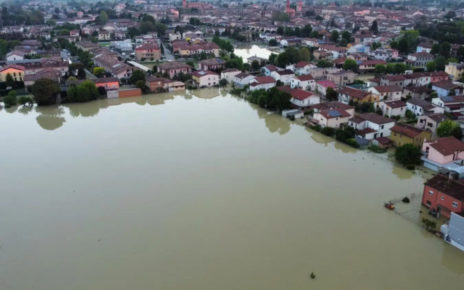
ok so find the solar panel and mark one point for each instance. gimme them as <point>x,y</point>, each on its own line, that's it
<point>333,113</point>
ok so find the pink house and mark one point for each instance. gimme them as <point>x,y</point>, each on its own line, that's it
<point>332,114</point>
<point>444,150</point>
<point>443,195</point>
<point>323,85</point>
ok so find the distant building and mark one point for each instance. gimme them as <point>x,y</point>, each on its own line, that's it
<point>443,195</point>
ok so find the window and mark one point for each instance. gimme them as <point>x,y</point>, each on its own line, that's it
<point>455,204</point>
<point>431,192</point>
<point>442,197</point>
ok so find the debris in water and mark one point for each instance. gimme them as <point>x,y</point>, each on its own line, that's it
<point>312,275</point>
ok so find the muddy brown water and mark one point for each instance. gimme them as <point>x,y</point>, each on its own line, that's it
<point>201,190</point>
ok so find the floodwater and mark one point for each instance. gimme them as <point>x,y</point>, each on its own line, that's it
<point>255,50</point>
<point>203,191</point>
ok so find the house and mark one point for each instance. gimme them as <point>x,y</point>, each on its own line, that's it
<point>156,84</point>
<point>342,78</point>
<point>332,114</point>
<point>243,79</point>
<point>392,108</point>
<point>48,73</point>
<point>185,48</point>
<point>419,59</point>
<point>417,92</point>
<point>455,70</point>
<point>212,64</point>
<point>323,85</point>
<point>450,104</point>
<point>262,83</point>
<point>229,74</point>
<point>393,80</point>
<point>453,232</point>
<point>205,78</point>
<point>402,134</point>
<point>348,94</point>
<point>301,99</point>
<point>15,55</point>
<point>446,88</point>
<point>104,35</point>
<point>148,51</point>
<point>269,69</point>
<point>438,76</point>
<point>430,122</point>
<point>369,65</point>
<point>369,126</point>
<point>305,82</point>
<point>110,83</point>
<point>443,195</point>
<point>284,76</point>
<point>302,68</point>
<point>420,107</point>
<point>174,68</point>
<point>444,153</point>
<point>15,71</point>
<point>390,93</point>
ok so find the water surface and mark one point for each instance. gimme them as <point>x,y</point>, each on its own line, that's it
<point>202,191</point>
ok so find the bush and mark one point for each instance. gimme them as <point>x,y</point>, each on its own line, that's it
<point>328,131</point>
<point>408,155</point>
<point>24,100</point>
<point>377,149</point>
<point>223,82</point>
<point>10,99</point>
<point>352,142</point>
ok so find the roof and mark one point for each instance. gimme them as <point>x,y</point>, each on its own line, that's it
<point>388,89</point>
<point>147,46</point>
<point>327,84</point>
<point>13,66</point>
<point>406,130</point>
<point>354,93</point>
<point>334,113</point>
<point>298,94</point>
<point>447,145</point>
<point>271,67</point>
<point>265,80</point>
<point>301,64</point>
<point>285,72</point>
<point>421,103</point>
<point>374,118</point>
<point>212,61</point>
<point>106,80</point>
<point>172,65</point>
<point>202,73</point>
<point>305,78</point>
<point>446,85</point>
<point>395,104</point>
<point>451,187</point>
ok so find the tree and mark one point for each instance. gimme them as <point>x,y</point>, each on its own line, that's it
<point>223,82</point>
<point>136,76</point>
<point>331,94</point>
<point>380,68</point>
<point>374,27</point>
<point>10,99</point>
<point>25,100</point>
<point>255,65</point>
<point>334,36</point>
<point>84,92</point>
<point>431,66</point>
<point>408,155</point>
<point>273,42</point>
<point>9,80</point>
<point>449,128</point>
<point>98,71</point>
<point>350,64</point>
<point>140,84</point>
<point>45,91</point>
<point>103,17</point>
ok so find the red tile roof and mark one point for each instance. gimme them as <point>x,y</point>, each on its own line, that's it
<point>447,145</point>
<point>451,187</point>
<point>406,130</point>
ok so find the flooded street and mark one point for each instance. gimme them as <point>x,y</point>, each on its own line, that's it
<point>203,191</point>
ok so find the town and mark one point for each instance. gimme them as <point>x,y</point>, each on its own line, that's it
<point>380,75</point>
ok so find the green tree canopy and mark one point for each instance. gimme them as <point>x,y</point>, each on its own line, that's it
<point>449,128</point>
<point>45,91</point>
<point>408,155</point>
<point>350,64</point>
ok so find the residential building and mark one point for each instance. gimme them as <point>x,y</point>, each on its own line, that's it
<point>369,65</point>
<point>110,83</point>
<point>342,78</point>
<point>446,88</point>
<point>301,99</point>
<point>420,107</point>
<point>285,76</point>
<point>388,93</point>
<point>305,82</point>
<point>212,64</point>
<point>205,78</point>
<point>443,151</point>
<point>15,71</point>
<point>430,122</point>
<point>392,108</point>
<point>348,94</point>
<point>450,104</point>
<point>262,83</point>
<point>443,195</point>
<point>332,114</point>
<point>402,134</point>
<point>453,232</point>
<point>455,70</point>
<point>323,85</point>
<point>229,74</point>
<point>148,51</point>
<point>173,68</point>
<point>243,79</point>
<point>370,126</point>
<point>419,59</point>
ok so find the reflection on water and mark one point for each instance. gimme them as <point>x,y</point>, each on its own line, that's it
<point>320,138</point>
<point>11,109</point>
<point>254,50</point>
<point>274,122</point>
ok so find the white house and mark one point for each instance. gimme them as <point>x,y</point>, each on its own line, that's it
<point>392,108</point>
<point>420,107</point>
<point>243,79</point>
<point>284,76</point>
<point>370,126</point>
<point>14,55</point>
<point>300,98</point>
<point>229,74</point>
<point>305,82</point>
<point>453,232</point>
<point>391,93</point>
<point>262,83</point>
<point>323,85</point>
<point>205,78</point>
